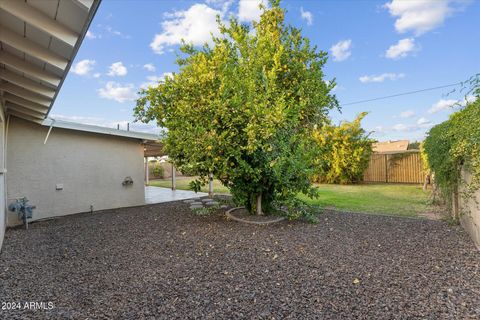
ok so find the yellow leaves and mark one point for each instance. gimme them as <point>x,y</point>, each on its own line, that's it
<point>209,148</point>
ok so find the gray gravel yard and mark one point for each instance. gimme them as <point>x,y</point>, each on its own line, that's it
<point>162,262</point>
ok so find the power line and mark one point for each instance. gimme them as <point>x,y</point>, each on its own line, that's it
<point>401,94</point>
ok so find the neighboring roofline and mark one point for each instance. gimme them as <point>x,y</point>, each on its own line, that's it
<point>91,14</point>
<point>49,122</point>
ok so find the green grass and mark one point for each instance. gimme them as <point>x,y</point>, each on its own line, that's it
<point>389,199</point>
<point>182,184</point>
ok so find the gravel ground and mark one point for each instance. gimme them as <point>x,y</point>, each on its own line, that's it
<point>163,262</point>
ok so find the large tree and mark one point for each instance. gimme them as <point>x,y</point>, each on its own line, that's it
<point>243,110</point>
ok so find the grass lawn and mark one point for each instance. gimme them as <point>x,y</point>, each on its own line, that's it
<point>389,199</point>
<point>182,184</point>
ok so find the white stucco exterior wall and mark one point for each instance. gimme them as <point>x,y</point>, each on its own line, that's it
<point>91,167</point>
<point>3,217</point>
<point>470,212</point>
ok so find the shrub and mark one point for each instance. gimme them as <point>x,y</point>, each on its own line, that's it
<point>158,170</point>
<point>343,152</point>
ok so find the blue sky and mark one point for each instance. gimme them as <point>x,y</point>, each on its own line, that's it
<point>376,48</point>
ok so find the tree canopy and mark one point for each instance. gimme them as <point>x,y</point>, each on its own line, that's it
<point>343,151</point>
<point>244,108</point>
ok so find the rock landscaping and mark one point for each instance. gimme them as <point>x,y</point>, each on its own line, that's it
<point>240,214</point>
<point>163,262</point>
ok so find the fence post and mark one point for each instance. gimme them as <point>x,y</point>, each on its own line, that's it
<point>386,168</point>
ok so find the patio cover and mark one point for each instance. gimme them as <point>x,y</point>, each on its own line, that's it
<point>38,42</point>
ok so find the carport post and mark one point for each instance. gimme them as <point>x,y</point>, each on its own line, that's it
<point>174,179</point>
<point>146,171</point>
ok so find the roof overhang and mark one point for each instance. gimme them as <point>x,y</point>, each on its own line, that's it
<point>145,137</point>
<point>38,42</point>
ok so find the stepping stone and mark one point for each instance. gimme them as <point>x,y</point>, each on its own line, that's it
<point>189,201</point>
<point>223,206</point>
<point>196,206</point>
<point>212,203</point>
<point>207,200</point>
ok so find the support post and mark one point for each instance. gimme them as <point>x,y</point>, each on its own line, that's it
<point>386,168</point>
<point>147,173</point>
<point>174,178</point>
<point>210,185</point>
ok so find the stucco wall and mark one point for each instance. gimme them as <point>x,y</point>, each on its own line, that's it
<point>91,168</point>
<point>3,217</point>
<point>470,212</point>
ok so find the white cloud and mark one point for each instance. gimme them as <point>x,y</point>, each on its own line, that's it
<point>224,5</point>
<point>153,81</point>
<point>83,67</point>
<point>194,25</point>
<point>442,104</point>
<point>249,10</point>
<point>424,122</point>
<point>117,33</point>
<point>307,16</point>
<point>341,50</point>
<point>400,127</point>
<point>446,104</point>
<point>117,92</point>
<point>97,75</point>
<point>402,49</point>
<point>407,114</point>
<point>117,69</point>
<point>90,35</point>
<point>421,16</point>
<point>149,67</point>
<point>382,77</point>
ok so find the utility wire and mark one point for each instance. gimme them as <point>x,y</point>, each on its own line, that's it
<point>401,94</point>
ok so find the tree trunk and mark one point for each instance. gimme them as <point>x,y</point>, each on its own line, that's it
<point>259,204</point>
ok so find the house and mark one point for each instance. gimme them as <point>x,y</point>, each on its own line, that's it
<point>61,167</point>
<point>390,146</point>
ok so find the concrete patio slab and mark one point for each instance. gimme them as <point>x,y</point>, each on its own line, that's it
<point>160,195</point>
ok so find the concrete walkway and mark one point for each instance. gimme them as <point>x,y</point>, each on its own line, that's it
<point>159,195</point>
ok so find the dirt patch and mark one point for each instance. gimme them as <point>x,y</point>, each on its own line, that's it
<point>163,261</point>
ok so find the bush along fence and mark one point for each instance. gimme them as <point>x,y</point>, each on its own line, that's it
<point>452,150</point>
<point>401,167</point>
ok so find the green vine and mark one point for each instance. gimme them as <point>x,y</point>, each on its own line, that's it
<point>454,145</point>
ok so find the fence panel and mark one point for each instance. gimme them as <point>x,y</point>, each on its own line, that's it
<point>395,168</point>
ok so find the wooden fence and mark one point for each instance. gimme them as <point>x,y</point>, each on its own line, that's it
<point>404,167</point>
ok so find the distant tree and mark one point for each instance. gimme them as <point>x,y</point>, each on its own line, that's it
<point>244,109</point>
<point>414,145</point>
<point>343,151</point>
